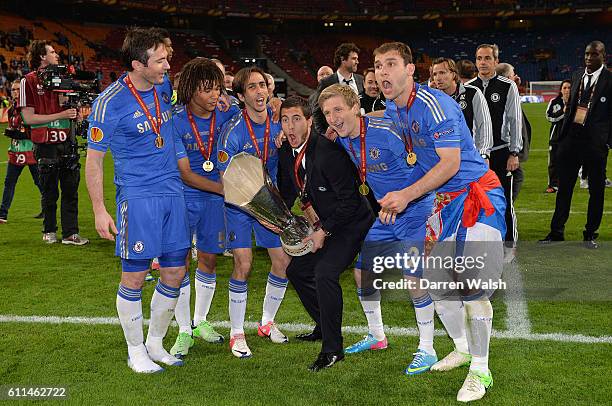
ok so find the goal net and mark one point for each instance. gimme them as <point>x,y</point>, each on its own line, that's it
<point>547,89</point>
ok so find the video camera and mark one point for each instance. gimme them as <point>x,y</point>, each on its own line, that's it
<point>78,87</point>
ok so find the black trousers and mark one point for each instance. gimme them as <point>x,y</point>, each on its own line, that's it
<point>574,151</point>
<point>553,165</point>
<point>316,279</point>
<point>57,170</point>
<point>12,175</point>
<point>498,162</point>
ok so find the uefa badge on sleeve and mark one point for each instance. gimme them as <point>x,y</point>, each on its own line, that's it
<point>96,134</point>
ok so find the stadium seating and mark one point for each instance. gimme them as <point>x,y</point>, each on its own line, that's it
<point>536,54</point>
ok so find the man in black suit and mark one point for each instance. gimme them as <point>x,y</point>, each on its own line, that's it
<point>321,174</point>
<point>346,60</point>
<point>586,136</point>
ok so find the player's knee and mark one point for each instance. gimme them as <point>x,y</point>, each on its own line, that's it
<point>280,262</point>
<point>242,268</point>
<point>134,272</point>
<point>207,262</point>
<point>172,276</point>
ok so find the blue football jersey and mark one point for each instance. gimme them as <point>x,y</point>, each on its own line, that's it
<point>182,129</point>
<point>386,167</point>
<point>435,121</point>
<point>118,123</point>
<point>235,138</point>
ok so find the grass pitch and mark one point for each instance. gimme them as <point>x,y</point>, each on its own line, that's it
<point>566,291</point>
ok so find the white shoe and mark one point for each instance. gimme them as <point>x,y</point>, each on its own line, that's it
<point>475,386</point>
<point>608,182</point>
<point>239,346</point>
<point>454,359</point>
<point>140,362</point>
<point>584,183</point>
<point>271,331</point>
<point>158,354</point>
<point>50,238</point>
<point>509,254</point>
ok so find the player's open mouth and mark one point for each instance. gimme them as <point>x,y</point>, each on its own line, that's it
<point>387,85</point>
<point>260,101</point>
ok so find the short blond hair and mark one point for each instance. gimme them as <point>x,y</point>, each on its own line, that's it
<point>344,91</point>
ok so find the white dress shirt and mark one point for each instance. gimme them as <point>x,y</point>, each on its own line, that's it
<point>352,83</point>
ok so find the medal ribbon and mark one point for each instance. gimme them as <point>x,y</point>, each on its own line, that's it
<point>205,150</point>
<point>155,124</point>
<point>362,163</point>
<point>254,139</point>
<point>301,183</point>
<point>408,140</point>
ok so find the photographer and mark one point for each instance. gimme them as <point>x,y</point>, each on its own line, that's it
<point>20,154</point>
<point>58,161</point>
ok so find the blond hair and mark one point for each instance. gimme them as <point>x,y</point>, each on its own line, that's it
<point>344,91</point>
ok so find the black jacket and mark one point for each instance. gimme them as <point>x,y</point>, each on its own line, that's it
<point>598,124</point>
<point>554,113</point>
<point>370,104</point>
<point>318,121</point>
<point>331,185</point>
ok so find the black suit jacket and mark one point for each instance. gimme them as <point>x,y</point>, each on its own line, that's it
<point>331,185</point>
<point>318,123</point>
<point>598,125</point>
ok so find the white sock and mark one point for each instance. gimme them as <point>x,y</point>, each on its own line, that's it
<point>370,302</point>
<point>182,311</point>
<point>237,305</point>
<point>424,310</point>
<point>275,292</point>
<point>479,324</point>
<point>163,303</point>
<point>452,315</point>
<point>129,309</point>
<point>205,290</point>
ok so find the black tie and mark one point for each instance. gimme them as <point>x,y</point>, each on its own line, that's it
<point>587,89</point>
<point>347,81</point>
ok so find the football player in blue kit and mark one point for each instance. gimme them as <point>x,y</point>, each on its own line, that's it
<point>198,121</point>
<point>252,131</point>
<point>131,118</point>
<point>469,204</point>
<point>379,153</point>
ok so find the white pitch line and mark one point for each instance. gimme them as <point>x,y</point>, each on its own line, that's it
<point>528,211</point>
<point>517,313</point>
<point>296,327</point>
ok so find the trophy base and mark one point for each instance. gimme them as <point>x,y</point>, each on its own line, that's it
<point>297,250</point>
<point>291,238</point>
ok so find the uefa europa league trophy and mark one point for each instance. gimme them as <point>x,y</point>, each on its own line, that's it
<point>248,186</point>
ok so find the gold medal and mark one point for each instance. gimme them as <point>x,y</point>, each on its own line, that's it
<point>159,142</point>
<point>364,189</point>
<point>411,158</point>
<point>208,166</point>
